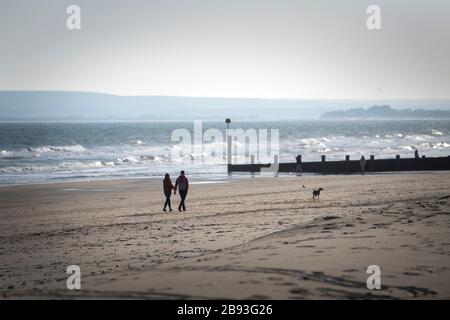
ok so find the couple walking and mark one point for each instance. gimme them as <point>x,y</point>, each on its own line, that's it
<point>182,184</point>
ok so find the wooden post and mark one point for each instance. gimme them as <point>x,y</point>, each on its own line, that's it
<point>229,151</point>
<point>397,162</point>
<point>347,163</point>
<point>229,145</point>
<point>252,163</point>
<point>275,160</point>
<point>323,163</point>
<point>423,163</point>
<point>372,162</point>
<point>298,166</point>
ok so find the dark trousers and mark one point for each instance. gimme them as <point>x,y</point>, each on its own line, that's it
<point>183,194</point>
<point>167,194</point>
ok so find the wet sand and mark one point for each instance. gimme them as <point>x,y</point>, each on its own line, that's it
<point>248,238</point>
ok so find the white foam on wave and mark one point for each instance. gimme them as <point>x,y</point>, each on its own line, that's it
<point>312,143</point>
<point>407,148</point>
<point>49,149</point>
<point>435,145</point>
<point>25,169</point>
<point>419,137</point>
<point>129,159</point>
<point>393,136</point>
<point>4,153</point>
<point>43,151</point>
<point>137,142</point>
<point>8,170</point>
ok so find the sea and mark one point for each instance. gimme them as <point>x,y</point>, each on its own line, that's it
<point>55,152</point>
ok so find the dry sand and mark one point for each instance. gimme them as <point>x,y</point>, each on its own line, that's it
<point>249,238</point>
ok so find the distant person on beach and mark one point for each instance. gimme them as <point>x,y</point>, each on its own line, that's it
<point>167,187</point>
<point>416,154</point>
<point>362,163</point>
<point>182,184</point>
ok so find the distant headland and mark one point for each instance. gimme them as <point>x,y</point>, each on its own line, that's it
<point>386,112</point>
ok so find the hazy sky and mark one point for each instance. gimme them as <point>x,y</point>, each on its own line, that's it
<point>228,48</point>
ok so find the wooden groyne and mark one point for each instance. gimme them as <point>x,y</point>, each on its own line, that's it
<point>348,166</point>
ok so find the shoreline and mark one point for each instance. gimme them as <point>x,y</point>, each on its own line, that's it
<point>235,176</point>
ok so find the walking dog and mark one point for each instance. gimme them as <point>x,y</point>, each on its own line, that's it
<point>316,194</point>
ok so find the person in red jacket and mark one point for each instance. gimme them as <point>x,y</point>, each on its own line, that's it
<point>182,184</point>
<point>167,187</point>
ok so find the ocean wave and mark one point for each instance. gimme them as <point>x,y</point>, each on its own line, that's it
<point>46,151</point>
<point>88,164</point>
<point>395,135</point>
<point>24,169</point>
<point>129,159</point>
<point>435,145</point>
<point>9,170</point>
<point>133,159</point>
<point>5,153</point>
<point>435,132</point>
<point>419,137</point>
<point>312,143</point>
<point>49,149</point>
<point>123,161</point>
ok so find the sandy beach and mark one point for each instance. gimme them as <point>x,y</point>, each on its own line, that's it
<point>255,238</point>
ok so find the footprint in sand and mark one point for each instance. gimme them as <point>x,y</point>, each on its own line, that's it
<point>300,291</point>
<point>350,270</point>
<point>411,274</point>
<point>287,284</point>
